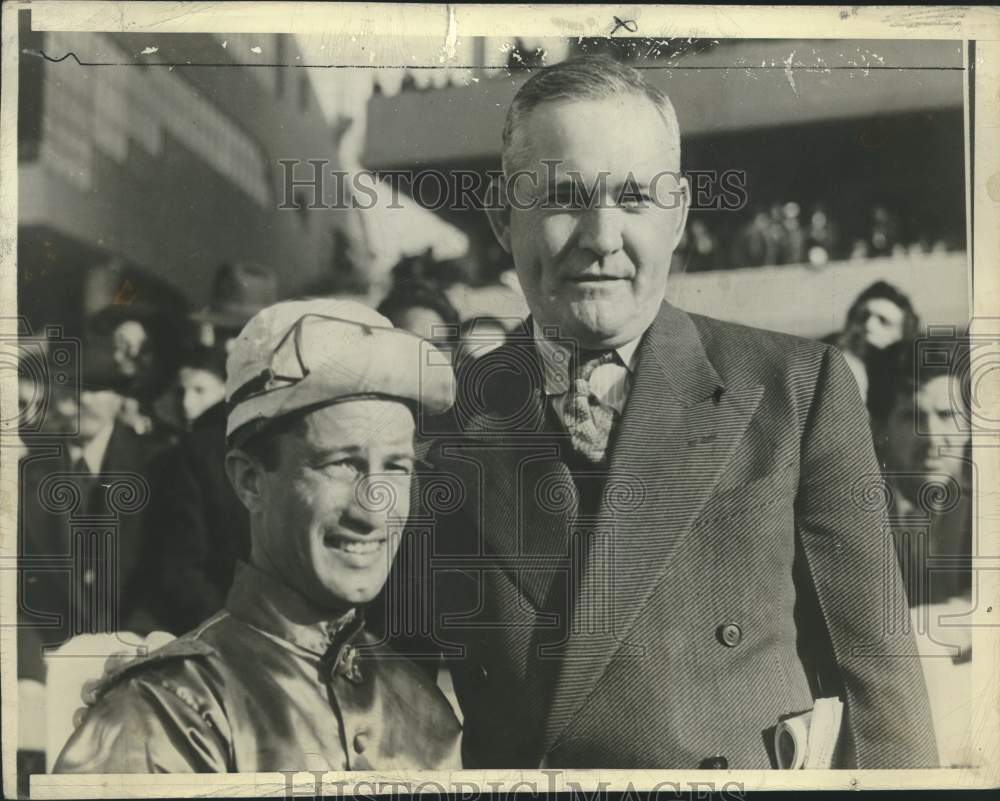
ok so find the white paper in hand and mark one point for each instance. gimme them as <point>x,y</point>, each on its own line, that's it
<point>809,740</point>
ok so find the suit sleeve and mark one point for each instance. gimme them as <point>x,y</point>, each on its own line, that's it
<point>844,533</point>
<point>149,725</point>
<point>412,586</point>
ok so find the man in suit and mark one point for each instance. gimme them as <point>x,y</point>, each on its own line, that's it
<point>80,537</point>
<point>653,531</point>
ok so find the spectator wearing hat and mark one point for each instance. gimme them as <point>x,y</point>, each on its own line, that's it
<point>321,452</point>
<point>199,529</point>
<point>239,291</point>
<point>98,464</point>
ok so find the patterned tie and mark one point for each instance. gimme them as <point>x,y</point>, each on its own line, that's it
<point>588,421</point>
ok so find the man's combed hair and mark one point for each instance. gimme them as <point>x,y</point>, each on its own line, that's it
<point>903,368</point>
<point>584,78</point>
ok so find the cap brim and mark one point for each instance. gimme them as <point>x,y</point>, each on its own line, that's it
<point>257,426</point>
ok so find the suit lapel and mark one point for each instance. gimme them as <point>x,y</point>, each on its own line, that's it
<point>528,493</point>
<point>679,429</point>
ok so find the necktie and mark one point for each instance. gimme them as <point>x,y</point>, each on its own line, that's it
<point>588,421</point>
<point>85,481</point>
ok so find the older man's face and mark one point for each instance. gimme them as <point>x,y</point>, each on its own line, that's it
<point>596,270</point>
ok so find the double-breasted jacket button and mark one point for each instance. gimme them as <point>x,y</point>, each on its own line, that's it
<point>714,763</point>
<point>484,674</point>
<point>729,634</point>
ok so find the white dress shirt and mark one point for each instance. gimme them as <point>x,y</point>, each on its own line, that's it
<point>610,383</point>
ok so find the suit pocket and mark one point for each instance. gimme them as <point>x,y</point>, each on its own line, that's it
<point>750,498</point>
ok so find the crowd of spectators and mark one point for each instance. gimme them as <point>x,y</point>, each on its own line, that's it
<point>786,233</point>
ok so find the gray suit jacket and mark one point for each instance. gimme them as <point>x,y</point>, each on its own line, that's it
<point>739,564</point>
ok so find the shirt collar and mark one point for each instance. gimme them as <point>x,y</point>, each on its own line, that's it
<point>555,360</point>
<point>93,451</point>
<point>260,600</point>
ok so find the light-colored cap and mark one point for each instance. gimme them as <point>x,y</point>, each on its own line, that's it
<point>307,353</point>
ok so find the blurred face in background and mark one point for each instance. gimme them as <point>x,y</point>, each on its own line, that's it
<point>82,414</point>
<point>198,390</point>
<point>917,429</point>
<point>130,351</point>
<point>97,411</point>
<point>883,321</point>
<point>597,270</point>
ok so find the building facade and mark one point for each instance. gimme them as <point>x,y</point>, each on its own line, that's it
<point>160,154</point>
